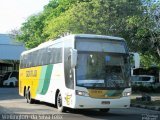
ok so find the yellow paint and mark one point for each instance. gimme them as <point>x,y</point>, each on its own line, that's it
<point>29,77</point>
<point>68,98</point>
<point>102,94</point>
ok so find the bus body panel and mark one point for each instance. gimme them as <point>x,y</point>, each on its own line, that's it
<point>56,81</point>
<point>88,103</point>
<point>72,100</point>
<point>29,77</point>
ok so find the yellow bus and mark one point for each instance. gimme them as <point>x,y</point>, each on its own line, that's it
<point>80,71</point>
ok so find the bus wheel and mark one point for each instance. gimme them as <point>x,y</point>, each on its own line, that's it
<point>28,96</point>
<point>60,106</point>
<point>104,110</point>
<point>25,93</point>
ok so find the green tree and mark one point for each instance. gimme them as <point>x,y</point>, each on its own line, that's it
<point>131,20</point>
<point>147,33</point>
<point>32,31</point>
<point>97,17</point>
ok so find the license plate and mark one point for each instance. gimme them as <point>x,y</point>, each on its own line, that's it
<point>105,102</point>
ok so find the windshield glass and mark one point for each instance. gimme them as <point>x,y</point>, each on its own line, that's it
<point>102,70</point>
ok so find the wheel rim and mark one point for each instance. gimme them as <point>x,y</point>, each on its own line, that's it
<point>59,101</point>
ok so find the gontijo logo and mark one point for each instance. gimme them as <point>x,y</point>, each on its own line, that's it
<point>31,73</point>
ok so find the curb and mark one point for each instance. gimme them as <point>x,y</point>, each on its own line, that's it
<point>157,108</point>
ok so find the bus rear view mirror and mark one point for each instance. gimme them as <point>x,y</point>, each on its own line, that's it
<point>73,57</point>
<point>135,60</point>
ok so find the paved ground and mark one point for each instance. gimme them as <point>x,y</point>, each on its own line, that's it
<point>11,103</point>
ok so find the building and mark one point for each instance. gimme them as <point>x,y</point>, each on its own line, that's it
<point>10,51</point>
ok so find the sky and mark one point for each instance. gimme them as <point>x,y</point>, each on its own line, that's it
<point>14,12</point>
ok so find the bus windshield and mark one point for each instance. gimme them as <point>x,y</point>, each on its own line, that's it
<point>102,70</point>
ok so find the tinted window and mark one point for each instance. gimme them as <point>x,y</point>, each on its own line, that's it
<point>35,58</point>
<point>55,54</point>
<point>14,74</point>
<point>145,78</point>
<point>6,75</point>
<point>101,45</point>
<point>44,56</point>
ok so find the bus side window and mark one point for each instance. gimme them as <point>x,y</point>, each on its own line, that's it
<point>49,55</point>
<point>55,54</point>
<point>41,60</point>
<point>31,60</point>
<point>39,57</point>
<point>34,59</point>
<point>46,57</point>
<point>58,58</point>
<point>52,59</point>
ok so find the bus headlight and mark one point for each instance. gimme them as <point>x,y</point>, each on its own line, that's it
<point>126,94</point>
<point>82,93</point>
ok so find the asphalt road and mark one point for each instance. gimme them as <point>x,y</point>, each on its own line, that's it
<point>13,106</point>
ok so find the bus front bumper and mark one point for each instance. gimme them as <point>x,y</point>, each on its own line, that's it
<point>83,102</point>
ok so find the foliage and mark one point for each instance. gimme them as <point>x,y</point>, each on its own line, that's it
<point>148,60</point>
<point>145,89</point>
<point>96,17</point>
<point>132,20</point>
<point>148,36</point>
<point>32,31</point>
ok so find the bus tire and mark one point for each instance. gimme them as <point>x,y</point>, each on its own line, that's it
<point>106,110</point>
<point>28,97</point>
<point>59,103</point>
<point>25,93</point>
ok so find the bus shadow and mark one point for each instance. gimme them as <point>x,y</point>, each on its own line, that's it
<point>89,112</point>
<point>92,113</point>
<point>100,115</point>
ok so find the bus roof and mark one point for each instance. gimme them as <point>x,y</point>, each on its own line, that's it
<point>97,36</point>
<point>51,42</point>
